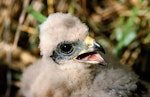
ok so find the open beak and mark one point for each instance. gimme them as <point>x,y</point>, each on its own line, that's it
<point>91,55</point>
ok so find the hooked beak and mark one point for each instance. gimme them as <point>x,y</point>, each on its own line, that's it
<point>92,54</point>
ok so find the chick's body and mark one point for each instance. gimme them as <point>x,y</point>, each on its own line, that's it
<point>74,81</point>
<point>59,74</point>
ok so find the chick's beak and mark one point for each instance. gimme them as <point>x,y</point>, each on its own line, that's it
<point>92,53</point>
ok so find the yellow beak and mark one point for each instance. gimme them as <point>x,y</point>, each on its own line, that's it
<point>91,54</point>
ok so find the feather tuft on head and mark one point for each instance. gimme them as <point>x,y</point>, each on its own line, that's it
<point>60,27</point>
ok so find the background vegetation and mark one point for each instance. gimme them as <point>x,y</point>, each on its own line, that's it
<point>122,26</point>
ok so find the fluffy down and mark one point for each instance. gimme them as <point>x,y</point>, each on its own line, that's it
<point>46,78</point>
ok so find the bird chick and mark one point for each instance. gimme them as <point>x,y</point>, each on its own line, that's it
<point>72,64</point>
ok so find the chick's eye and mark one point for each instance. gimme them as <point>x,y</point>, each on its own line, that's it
<point>66,48</point>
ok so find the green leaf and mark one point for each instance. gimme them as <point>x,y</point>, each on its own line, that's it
<point>128,33</point>
<point>38,16</point>
<point>130,37</point>
<point>118,33</point>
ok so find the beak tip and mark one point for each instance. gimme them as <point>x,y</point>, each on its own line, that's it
<point>103,51</point>
<point>104,63</point>
<point>99,47</point>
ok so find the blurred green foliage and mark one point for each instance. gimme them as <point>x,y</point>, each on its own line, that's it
<point>126,30</point>
<point>39,17</point>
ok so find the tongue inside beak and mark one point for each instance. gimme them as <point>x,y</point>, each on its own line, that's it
<point>91,57</point>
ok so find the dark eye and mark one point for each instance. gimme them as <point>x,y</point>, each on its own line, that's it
<point>66,48</point>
